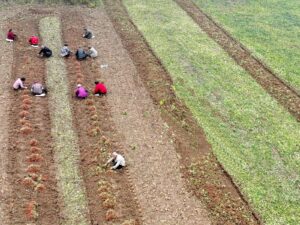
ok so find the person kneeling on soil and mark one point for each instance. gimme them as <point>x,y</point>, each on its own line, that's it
<point>87,34</point>
<point>117,160</point>
<point>80,54</point>
<point>11,36</point>
<point>37,89</point>
<point>34,41</point>
<point>45,52</point>
<point>81,92</point>
<point>65,51</point>
<point>92,52</point>
<point>100,89</point>
<point>19,83</point>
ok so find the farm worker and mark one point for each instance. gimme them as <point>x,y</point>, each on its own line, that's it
<point>19,83</point>
<point>117,160</point>
<point>80,54</point>
<point>11,36</point>
<point>100,88</point>
<point>45,52</point>
<point>87,34</point>
<point>34,40</point>
<point>92,52</point>
<point>38,89</point>
<point>81,92</point>
<point>65,51</point>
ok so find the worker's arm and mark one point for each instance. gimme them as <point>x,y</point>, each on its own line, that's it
<point>109,161</point>
<point>116,166</point>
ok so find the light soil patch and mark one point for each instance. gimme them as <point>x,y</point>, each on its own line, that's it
<point>75,209</point>
<point>150,152</point>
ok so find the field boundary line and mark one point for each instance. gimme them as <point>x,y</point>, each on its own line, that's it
<point>284,93</point>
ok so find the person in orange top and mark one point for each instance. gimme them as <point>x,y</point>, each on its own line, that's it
<point>100,89</point>
<point>33,40</point>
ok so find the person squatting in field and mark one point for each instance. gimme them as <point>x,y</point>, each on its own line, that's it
<point>81,92</point>
<point>45,52</point>
<point>100,89</point>
<point>87,34</point>
<point>80,54</point>
<point>65,51</point>
<point>11,36</point>
<point>34,41</point>
<point>19,84</point>
<point>92,52</point>
<point>117,160</point>
<point>38,89</point>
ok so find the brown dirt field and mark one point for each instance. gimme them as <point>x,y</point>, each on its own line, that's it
<point>277,88</point>
<point>210,183</point>
<point>91,144</point>
<point>43,192</point>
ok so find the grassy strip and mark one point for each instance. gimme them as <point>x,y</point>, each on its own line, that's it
<point>268,28</point>
<point>89,3</point>
<point>253,137</point>
<point>66,149</point>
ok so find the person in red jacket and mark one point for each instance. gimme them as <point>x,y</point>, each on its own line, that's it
<point>100,88</point>
<point>34,40</point>
<point>11,36</point>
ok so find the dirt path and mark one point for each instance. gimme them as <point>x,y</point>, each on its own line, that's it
<point>152,160</point>
<point>282,92</point>
<point>30,159</point>
<point>6,50</point>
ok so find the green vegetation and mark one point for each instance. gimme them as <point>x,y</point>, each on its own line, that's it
<point>270,29</point>
<point>65,140</point>
<point>255,139</point>
<point>89,3</point>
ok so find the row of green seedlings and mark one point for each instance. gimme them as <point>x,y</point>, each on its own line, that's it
<point>34,179</point>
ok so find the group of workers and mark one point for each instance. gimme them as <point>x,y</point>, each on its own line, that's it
<point>117,161</point>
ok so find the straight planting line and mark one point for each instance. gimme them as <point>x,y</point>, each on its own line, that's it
<point>75,210</point>
<point>285,94</point>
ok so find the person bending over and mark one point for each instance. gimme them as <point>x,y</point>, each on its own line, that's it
<point>45,52</point>
<point>65,51</point>
<point>11,36</point>
<point>100,88</point>
<point>19,84</point>
<point>38,89</point>
<point>92,52</point>
<point>80,54</point>
<point>87,34</point>
<point>117,160</point>
<point>81,92</point>
<point>34,41</point>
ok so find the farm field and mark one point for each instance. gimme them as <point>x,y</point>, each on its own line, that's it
<point>253,137</point>
<point>199,148</point>
<point>270,29</point>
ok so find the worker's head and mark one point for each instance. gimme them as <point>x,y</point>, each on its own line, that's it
<point>10,30</point>
<point>85,29</point>
<point>66,45</point>
<point>114,154</point>
<point>23,78</point>
<point>42,46</point>
<point>78,85</point>
<point>90,47</point>
<point>96,82</point>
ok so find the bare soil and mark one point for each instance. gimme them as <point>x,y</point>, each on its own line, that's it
<point>286,95</point>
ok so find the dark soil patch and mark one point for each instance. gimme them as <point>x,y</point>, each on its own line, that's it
<point>210,183</point>
<point>286,95</point>
<point>96,132</point>
<point>31,179</point>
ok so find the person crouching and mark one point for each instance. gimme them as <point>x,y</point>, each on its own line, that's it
<point>117,160</point>
<point>100,89</point>
<point>81,92</point>
<point>45,52</point>
<point>38,89</point>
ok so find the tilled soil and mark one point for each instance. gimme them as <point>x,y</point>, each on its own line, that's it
<point>30,159</point>
<point>277,88</point>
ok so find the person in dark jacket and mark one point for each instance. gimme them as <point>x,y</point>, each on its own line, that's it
<point>87,34</point>
<point>80,54</point>
<point>45,52</point>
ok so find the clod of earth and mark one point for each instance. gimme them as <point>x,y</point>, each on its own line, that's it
<point>35,158</point>
<point>23,114</point>
<point>89,102</point>
<point>27,101</point>
<point>33,142</point>
<point>25,107</point>
<point>110,215</point>
<point>26,130</point>
<point>109,203</point>
<point>34,149</point>
<point>33,169</point>
<point>94,117</point>
<point>40,187</point>
<point>28,182</point>
<point>129,222</point>
<point>24,96</point>
<point>31,210</point>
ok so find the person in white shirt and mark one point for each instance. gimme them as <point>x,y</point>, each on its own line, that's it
<point>65,51</point>
<point>117,161</point>
<point>19,83</point>
<point>92,52</point>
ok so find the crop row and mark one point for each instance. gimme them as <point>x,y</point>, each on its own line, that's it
<point>253,137</point>
<point>65,140</point>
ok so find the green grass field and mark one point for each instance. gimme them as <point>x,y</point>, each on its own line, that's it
<point>255,139</point>
<point>270,29</point>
